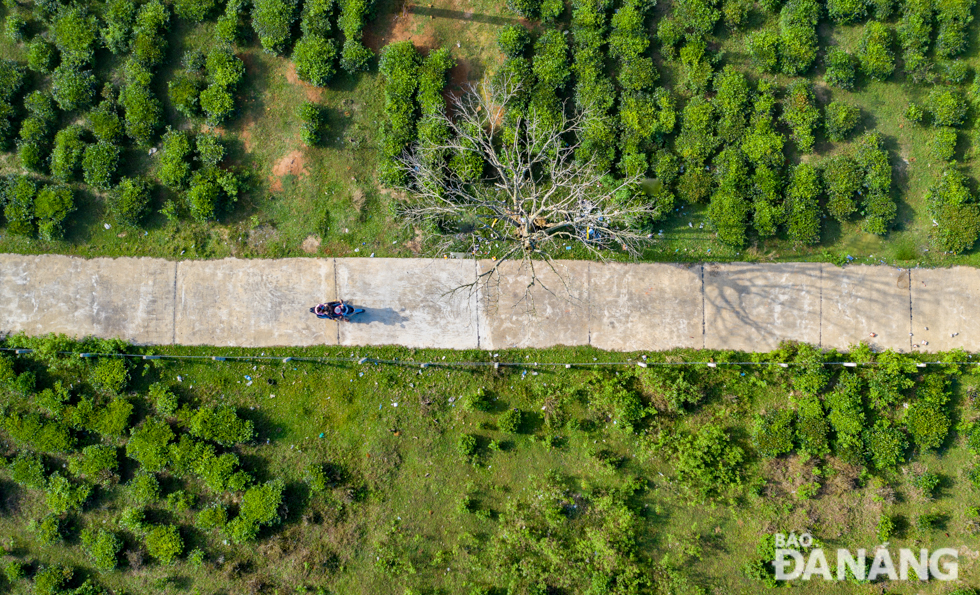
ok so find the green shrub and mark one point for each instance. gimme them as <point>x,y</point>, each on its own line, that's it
<point>46,530</point>
<point>164,401</point>
<point>728,212</point>
<point>927,424</point>
<point>845,405</point>
<point>164,543</point>
<point>222,425</point>
<point>143,113</point>
<point>210,150</point>
<point>884,446</point>
<point>213,517</point>
<point>948,107</point>
<point>803,206</point>
<point>510,421</point>
<point>798,35</point>
<point>875,55</point>
<point>46,435</point>
<point>40,56</point>
<point>477,400</point>
<point>763,49</point>
<point>49,580</point>
<point>315,478</point>
<point>180,501</point>
<point>61,496</point>
<point>74,32</point>
<point>315,59</point>
<point>194,10</point>
<point>841,67</point>
<point>109,374</point>
<point>240,530</point>
<point>316,17</point>
<point>112,420</point>
<point>466,446</point>
<point>183,91</point>
<point>11,79</point>
<point>847,11</point>
<point>927,482</point>
<point>99,165</point>
<point>210,190</point>
<point>954,208</point>
<point>52,206</point>
<point>354,56</point>
<point>812,435</point>
<point>224,68</point>
<point>942,144</point>
<point>175,153</point>
<point>129,200</point>
<point>914,113</point>
<point>840,119</point>
<point>69,146</point>
<point>312,124</point>
<point>260,504</point>
<point>14,571</point>
<point>72,88</point>
<point>148,444</point>
<point>513,40</point>
<point>14,27</point>
<point>105,124</point>
<point>217,104</point>
<point>97,463</point>
<point>801,114</point>
<point>886,527</point>
<point>33,154</point>
<point>118,18</point>
<point>709,463</point>
<point>229,25</point>
<point>879,208</point>
<point>272,21</point>
<point>144,488</point>
<point>134,520</point>
<point>103,547</point>
<point>772,433</point>
<point>27,469</point>
<point>842,178</point>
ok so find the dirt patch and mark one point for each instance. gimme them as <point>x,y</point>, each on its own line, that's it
<point>312,93</point>
<point>400,25</point>
<point>293,164</point>
<point>262,236</point>
<point>311,244</point>
<point>415,244</point>
<point>248,139</point>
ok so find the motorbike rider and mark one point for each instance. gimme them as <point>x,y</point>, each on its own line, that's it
<point>331,310</point>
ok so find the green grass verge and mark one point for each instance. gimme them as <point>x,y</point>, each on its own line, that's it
<point>589,486</point>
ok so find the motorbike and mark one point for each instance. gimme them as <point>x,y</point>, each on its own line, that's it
<point>346,311</point>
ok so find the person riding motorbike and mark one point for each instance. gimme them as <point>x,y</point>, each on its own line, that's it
<point>331,310</point>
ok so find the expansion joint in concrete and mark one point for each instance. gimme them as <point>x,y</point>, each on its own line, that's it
<point>704,340</point>
<point>820,306</point>
<point>477,301</point>
<point>910,311</point>
<point>173,305</point>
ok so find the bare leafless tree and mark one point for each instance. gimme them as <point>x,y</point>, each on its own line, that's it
<point>537,195</point>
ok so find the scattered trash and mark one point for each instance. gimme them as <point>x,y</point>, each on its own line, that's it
<point>180,379</point>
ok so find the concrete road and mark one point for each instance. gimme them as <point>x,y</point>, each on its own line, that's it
<point>438,303</point>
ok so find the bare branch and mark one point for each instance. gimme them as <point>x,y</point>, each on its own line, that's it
<point>537,196</point>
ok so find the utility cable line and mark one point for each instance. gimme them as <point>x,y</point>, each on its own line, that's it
<point>642,362</point>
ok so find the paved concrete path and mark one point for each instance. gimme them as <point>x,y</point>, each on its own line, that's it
<point>259,303</point>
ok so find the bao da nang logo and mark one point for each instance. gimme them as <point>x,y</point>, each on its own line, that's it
<point>797,559</point>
